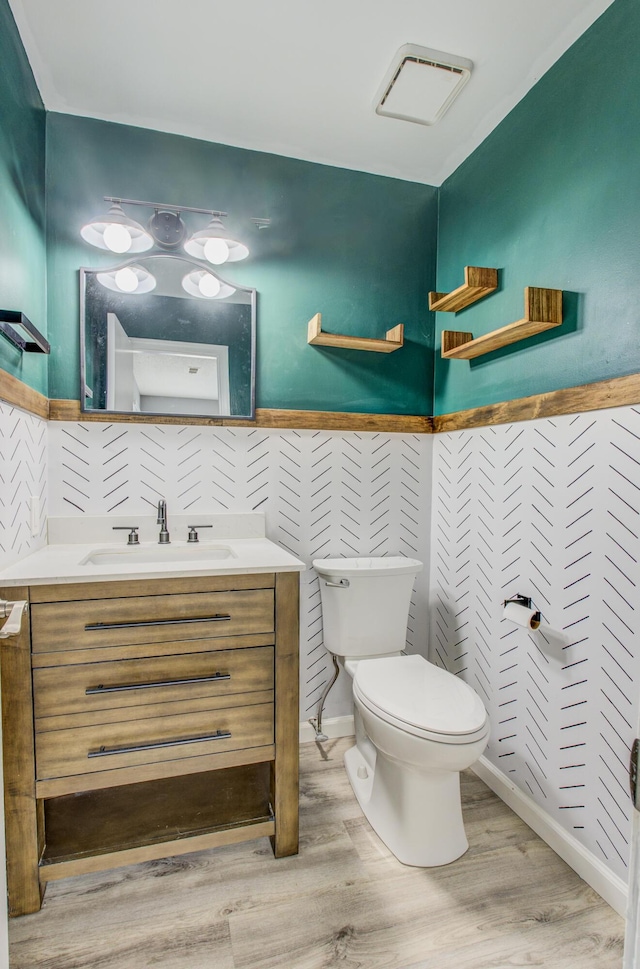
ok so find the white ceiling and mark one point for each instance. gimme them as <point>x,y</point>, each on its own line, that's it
<point>166,374</point>
<point>294,77</point>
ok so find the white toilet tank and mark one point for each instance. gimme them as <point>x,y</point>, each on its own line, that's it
<point>365,603</point>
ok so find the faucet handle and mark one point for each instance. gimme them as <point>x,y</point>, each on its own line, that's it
<point>193,535</point>
<point>133,533</point>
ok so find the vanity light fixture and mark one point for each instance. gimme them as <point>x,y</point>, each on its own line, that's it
<point>116,232</point>
<point>215,245</point>
<point>421,84</point>
<point>204,285</point>
<point>133,280</point>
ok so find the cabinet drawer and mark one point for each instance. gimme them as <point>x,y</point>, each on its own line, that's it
<point>132,743</point>
<point>132,683</point>
<point>149,619</point>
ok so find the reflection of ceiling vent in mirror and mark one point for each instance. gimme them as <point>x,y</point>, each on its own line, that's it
<point>421,84</point>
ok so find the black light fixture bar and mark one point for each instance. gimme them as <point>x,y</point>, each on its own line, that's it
<point>166,208</point>
<point>12,318</point>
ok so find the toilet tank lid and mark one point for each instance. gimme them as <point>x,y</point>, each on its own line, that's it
<point>381,565</point>
<point>420,694</point>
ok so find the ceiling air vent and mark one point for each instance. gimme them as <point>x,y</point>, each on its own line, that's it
<point>421,84</point>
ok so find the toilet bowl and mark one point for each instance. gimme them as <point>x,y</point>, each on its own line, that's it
<point>417,726</point>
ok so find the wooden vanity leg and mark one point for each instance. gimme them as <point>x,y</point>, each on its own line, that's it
<point>284,773</point>
<point>23,816</point>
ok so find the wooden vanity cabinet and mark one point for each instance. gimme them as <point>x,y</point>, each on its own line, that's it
<point>145,719</point>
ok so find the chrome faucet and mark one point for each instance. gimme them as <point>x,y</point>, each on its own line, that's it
<point>163,538</point>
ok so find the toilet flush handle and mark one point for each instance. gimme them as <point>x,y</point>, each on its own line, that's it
<point>340,584</point>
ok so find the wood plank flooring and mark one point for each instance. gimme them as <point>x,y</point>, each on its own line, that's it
<point>343,902</point>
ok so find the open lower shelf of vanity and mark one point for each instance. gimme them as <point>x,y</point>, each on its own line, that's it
<point>91,831</point>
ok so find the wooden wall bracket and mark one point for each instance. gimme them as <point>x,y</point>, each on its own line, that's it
<point>542,311</point>
<point>478,282</point>
<point>393,340</point>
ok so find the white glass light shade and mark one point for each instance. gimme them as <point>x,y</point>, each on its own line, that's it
<point>133,280</point>
<point>216,251</point>
<point>126,280</point>
<point>204,285</point>
<point>215,233</point>
<point>110,232</point>
<point>209,286</point>
<point>117,238</point>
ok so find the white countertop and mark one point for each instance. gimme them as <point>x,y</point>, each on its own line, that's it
<point>61,562</point>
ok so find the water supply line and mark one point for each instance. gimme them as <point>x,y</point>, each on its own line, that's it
<point>316,722</point>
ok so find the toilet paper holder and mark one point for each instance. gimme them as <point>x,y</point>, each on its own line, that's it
<point>525,601</point>
<point>520,600</point>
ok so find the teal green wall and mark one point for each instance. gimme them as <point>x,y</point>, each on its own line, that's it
<point>358,248</point>
<point>552,198</point>
<point>22,159</point>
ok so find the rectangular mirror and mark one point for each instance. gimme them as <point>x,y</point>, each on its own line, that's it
<point>155,342</point>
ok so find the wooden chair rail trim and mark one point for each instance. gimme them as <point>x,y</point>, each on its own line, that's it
<point>69,410</point>
<point>614,392</point>
<point>16,392</point>
<point>617,392</point>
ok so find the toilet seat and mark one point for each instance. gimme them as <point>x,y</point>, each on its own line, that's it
<point>421,699</point>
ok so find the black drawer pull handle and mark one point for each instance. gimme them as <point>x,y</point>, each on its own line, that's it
<point>220,617</point>
<point>107,751</point>
<point>92,690</point>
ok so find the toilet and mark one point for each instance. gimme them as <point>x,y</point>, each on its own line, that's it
<point>417,726</point>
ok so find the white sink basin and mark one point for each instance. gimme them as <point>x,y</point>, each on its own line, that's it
<point>157,554</point>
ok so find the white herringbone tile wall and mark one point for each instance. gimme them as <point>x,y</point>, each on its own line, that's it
<point>23,473</point>
<point>548,509</point>
<point>324,494</point>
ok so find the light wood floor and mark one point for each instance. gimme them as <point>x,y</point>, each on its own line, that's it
<point>343,902</point>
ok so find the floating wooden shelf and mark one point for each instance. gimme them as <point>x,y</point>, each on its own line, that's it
<point>393,340</point>
<point>542,310</point>
<point>478,282</point>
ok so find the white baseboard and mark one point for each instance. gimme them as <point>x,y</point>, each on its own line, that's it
<point>612,888</point>
<point>333,727</point>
